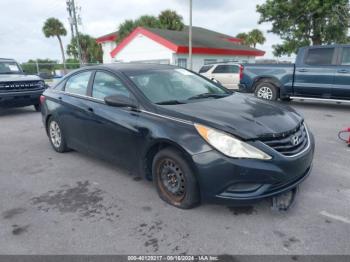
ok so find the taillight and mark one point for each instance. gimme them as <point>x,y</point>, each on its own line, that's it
<point>240,72</point>
<point>42,99</point>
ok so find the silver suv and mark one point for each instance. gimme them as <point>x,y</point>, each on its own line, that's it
<point>227,74</point>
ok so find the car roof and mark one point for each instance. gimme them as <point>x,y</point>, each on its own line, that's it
<point>7,59</point>
<point>125,67</point>
<point>223,63</point>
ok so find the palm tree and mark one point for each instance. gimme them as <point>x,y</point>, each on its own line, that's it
<point>243,37</point>
<point>53,27</point>
<point>256,37</point>
<point>170,20</point>
<point>91,52</point>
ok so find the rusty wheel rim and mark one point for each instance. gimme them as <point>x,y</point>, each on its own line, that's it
<point>171,180</point>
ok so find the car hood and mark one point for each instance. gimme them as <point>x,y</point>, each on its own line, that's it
<point>238,114</point>
<point>18,77</point>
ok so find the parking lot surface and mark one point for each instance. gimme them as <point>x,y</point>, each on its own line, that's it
<point>72,203</point>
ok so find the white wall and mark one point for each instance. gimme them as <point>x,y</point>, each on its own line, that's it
<point>107,47</point>
<point>198,60</point>
<point>142,48</point>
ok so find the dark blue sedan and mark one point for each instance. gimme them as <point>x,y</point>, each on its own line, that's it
<point>196,140</point>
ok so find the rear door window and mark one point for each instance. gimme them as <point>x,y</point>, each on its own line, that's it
<point>78,83</point>
<point>319,56</point>
<point>226,69</point>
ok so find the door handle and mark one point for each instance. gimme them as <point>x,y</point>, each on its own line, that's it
<point>343,71</point>
<point>90,109</point>
<point>60,98</point>
<point>302,70</point>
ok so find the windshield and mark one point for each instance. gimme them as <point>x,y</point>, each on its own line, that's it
<point>9,68</point>
<point>175,86</point>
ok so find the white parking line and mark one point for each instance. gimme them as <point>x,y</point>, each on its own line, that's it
<point>335,217</point>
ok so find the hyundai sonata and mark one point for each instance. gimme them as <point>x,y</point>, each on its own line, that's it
<point>196,140</point>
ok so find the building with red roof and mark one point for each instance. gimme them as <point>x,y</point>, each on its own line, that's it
<point>156,45</point>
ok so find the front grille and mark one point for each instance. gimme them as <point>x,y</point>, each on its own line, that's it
<point>291,143</point>
<point>21,86</point>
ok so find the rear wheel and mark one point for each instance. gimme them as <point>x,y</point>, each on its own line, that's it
<point>174,179</point>
<point>56,136</point>
<point>266,91</point>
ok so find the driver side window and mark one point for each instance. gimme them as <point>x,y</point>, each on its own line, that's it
<point>106,84</point>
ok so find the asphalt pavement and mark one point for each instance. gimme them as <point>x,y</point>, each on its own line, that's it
<point>72,203</point>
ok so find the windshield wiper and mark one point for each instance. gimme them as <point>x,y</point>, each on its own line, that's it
<point>170,102</point>
<point>207,95</point>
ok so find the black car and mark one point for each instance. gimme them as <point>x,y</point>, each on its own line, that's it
<point>195,139</point>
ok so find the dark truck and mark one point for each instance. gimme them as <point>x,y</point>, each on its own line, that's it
<point>320,72</point>
<point>18,89</point>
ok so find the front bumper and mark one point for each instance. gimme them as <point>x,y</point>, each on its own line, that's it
<point>225,180</point>
<point>20,98</point>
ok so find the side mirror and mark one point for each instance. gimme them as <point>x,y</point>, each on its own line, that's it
<point>120,101</point>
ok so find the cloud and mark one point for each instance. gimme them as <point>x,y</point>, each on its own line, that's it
<point>21,34</point>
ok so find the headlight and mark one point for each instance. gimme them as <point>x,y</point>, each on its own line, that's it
<point>229,145</point>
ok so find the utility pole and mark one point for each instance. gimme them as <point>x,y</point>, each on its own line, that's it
<point>37,66</point>
<point>190,39</point>
<point>74,25</point>
<point>70,19</point>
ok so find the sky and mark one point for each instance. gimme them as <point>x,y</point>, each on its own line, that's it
<point>21,21</point>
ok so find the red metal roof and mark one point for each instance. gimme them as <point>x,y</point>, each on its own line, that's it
<point>107,38</point>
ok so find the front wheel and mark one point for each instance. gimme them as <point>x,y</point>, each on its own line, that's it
<point>266,91</point>
<point>175,182</point>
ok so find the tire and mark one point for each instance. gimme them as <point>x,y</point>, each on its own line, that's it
<point>179,186</point>
<point>56,136</point>
<point>37,107</point>
<point>266,90</point>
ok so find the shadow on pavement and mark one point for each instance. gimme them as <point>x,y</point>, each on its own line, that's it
<point>17,111</point>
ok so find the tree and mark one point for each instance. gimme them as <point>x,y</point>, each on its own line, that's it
<point>306,22</point>
<point>252,38</point>
<point>148,20</point>
<point>170,20</point>
<point>91,52</point>
<point>125,29</point>
<point>243,37</point>
<point>256,37</point>
<point>167,19</point>
<point>45,65</point>
<point>54,28</point>
<point>128,26</point>
<point>72,63</point>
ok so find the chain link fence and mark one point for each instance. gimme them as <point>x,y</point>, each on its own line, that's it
<point>51,71</point>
